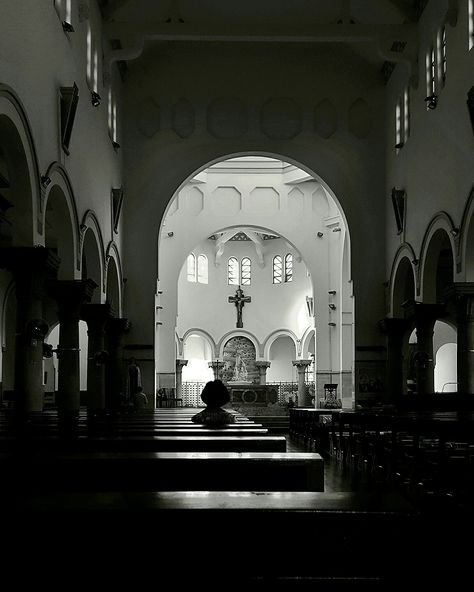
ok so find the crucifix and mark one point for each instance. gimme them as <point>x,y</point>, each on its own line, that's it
<point>239,299</point>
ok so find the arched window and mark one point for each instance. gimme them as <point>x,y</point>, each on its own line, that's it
<point>90,58</point>
<point>245,271</point>
<point>277,269</point>
<point>471,24</point>
<point>202,269</point>
<point>64,11</point>
<point>191,267</point>
<point>289,268</point>
<point>233,272</point>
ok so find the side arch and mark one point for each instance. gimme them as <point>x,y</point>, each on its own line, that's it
<point>268,342</point>
<point>241,333</point>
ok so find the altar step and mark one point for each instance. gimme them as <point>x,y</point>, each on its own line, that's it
<point>276,424</point>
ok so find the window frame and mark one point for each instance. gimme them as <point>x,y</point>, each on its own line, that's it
<point>235,263</point>
<point>191,270</point>
<point>245,281</point>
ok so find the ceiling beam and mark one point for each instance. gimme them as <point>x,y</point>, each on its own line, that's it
<point>225,31</point>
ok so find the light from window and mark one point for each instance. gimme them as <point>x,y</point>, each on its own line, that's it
<point>110,110</point>
<point>202,269</point>
<point>90,58</point>
<point>406,114</point>
<point>277,269</point>
<point>95,80</point>
<point>233,272</point>
<point>191,267</point>
<point>432,70</point>
<point>398,125</point>
<point>471,24</point>
<point>245,271</point>
<point>289,268</point>
<point>64,10</point>
<point>114,121</point>
<point>441,50</point>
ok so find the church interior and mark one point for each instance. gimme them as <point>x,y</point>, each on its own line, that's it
<point>276,195</point>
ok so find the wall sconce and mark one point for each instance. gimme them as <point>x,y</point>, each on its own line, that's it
<point>95,98</point>
<point>116,145</point>
<point>336,229</point>
<point>415,261</point>
<point>45,181</point>
<point>332,306</point>
<point>320,234</point>
<point>67,27</point>
<point>332,324</point>
<point>454,231</point>
<point>332,292</point>
<point>170,234</point>
<point>431,101</point>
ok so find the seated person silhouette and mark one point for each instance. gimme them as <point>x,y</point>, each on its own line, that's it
<point>140,400</point>
<point>214,395</point>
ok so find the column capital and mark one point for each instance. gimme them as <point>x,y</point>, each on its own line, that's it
<point>461,294</point>
<point>118,326</point>
<point>420,312</point>
<point>394,326</point>
<point>72,293</point>
<point>262,364</point>
<point>301,364</point>
<point>96,314</point>
<point>180,363</point>
<point>23,260</point>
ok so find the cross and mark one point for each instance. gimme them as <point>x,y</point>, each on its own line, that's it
<point>239,299</point>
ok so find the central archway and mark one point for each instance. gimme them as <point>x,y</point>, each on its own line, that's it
<point>255,193</point>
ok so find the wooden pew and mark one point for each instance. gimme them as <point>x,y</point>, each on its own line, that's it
<point>266,538</point>
<point>141,471</point>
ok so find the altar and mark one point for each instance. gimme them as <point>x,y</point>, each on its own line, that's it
<point>248,394</point>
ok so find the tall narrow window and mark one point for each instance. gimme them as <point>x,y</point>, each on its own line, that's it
<point>202,269</point>
<point>110,111</point>
<point>471,24</point>
<point>441,51</point>
<point>398,125</point>
<point>406,114</point>
<point>233,272</point>
<point>277,269</point>
<point>245,271</point>
<point>90,58</point>
<point>114,122</point>
<point>289,268</point>
<point>64,12</point>
<point>431,98</point>
<point>95,70</point>
<point>191,267</point>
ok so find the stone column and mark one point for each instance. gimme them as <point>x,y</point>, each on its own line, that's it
<point>461,294</point>
<point>262,367</point>
<point>179,377</point>
<point>31,267</point>
<point>116,385</point>
<point>395,374</point>
<point>96,316</point>
<point>301,365</point>
<point>70,296</point>
<point>424,317</point>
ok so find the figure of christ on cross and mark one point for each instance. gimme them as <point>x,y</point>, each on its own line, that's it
<point>239,299</point>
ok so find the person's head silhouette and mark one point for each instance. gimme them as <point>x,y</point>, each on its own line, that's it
<point>215,394</point>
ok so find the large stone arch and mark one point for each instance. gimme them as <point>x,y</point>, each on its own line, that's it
<point>204,334</point>
<point>239,333</point>
<point>60,222</point>
<point>403,280</point>
<point>114,279</point>
<point>19,164</point>
<point>437,259</point>
<point>92,255</point>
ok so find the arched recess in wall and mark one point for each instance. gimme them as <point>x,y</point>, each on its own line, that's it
<point>92,256</point>
<point>114,280</point>
<point>445,354</point>
<point>281,354</point>
<point>198,349</point>
<point>19,174</point>
<point>437,260</point>
<point>282,333</point>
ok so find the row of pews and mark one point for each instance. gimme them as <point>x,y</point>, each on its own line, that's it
<point>155,495</point>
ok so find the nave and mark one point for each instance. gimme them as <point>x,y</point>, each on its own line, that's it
<point>270,514</point>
